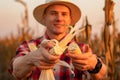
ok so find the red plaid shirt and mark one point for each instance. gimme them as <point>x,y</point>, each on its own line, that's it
<point>63,73</point>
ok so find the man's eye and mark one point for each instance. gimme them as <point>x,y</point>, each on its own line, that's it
<point>64,14</point>
<point>53,13</point>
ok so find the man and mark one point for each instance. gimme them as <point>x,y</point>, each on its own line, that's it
<point>56,16</point>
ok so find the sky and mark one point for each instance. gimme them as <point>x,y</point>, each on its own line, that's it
<point>11,12</point>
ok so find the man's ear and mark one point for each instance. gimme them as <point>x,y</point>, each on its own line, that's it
<point>71,21</point>
<point>43,18</point>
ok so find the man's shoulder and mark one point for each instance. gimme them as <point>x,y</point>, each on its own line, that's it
<point>38,39</point>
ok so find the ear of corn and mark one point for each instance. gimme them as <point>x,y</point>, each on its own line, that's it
<point>57,50</point>
<point>74,48</point>
<point>32,46</point>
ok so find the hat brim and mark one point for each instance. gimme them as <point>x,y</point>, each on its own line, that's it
<point>75,11</point>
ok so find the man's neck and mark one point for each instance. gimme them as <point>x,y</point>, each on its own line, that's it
<point>56,36</point>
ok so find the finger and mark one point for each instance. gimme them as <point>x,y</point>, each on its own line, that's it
<point>81,67</point>
<point>50,57</point>
<point>48,44</point>
<point>46,67</point>
<point>78,56</point>
<point>73,56</point>
<point>42,64</point>
<point>50,61</point>
<point>82,62</point>
<point>47,55</point>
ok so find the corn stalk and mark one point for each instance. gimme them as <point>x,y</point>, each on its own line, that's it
<point>25,19</point>
<point>88,29</point>
<point>109,38</point>
<point>24,29</point>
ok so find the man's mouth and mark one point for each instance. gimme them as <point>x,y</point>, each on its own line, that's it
<point>61,25</point>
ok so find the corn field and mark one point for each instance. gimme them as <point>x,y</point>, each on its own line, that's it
<point>107,46</point>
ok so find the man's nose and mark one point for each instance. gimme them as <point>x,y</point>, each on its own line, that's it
<point>59,17</point>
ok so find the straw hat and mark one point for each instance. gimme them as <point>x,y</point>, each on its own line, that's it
<point>75,11</point>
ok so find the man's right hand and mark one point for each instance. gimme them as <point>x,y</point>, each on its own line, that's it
<point>42,59</point>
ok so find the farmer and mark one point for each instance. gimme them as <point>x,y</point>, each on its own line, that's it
<point>56,16</point>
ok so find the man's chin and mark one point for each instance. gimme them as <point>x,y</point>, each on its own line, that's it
<point>58,33</point>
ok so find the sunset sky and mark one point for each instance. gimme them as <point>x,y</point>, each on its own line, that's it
<point>11,12</point>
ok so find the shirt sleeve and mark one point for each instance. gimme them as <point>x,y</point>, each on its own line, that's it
<point>22,50</point>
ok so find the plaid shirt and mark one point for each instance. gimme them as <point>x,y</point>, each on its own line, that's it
<point>61,73</point>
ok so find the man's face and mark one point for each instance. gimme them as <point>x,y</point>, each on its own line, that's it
<point>57,19</point>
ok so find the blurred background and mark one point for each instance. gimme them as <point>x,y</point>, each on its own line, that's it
<point>100,17</point>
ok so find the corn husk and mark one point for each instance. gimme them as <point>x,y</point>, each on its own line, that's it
<point>74,48</point>
<point>47,75</point>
